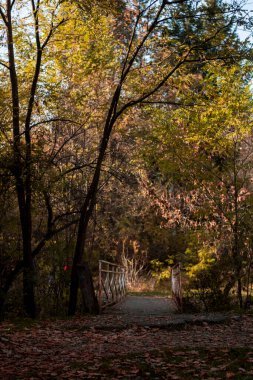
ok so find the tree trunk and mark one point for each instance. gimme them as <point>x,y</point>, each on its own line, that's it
<point>87,210</point>
<point>28,288</point>
<point>239,292</point>
<point>3,297</point>
<point>90,301</point>
<point>78,259</point>
<point>28,281</point>
<point>73,293</point>
<point>176,286</point>
<point>28,263</point>
<point>22,174</point>
<point>28,271</point>
<point>236,231</point>
<point>228,287</point>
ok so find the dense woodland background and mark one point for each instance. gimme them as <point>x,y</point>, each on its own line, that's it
<point>126,135</point>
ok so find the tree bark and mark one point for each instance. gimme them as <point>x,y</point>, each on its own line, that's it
<point>90,302</point>
<point>236,232</point>
<point>87,210</point>
<point>2,304</point>
<point>20,170</point>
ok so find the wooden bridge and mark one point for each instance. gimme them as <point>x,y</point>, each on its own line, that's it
<point>112,289</point>
<point>111,283</point>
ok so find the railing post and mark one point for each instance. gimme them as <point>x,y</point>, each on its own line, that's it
<point>111,283</point>
<point>100,284</point>
<point>176,285</point>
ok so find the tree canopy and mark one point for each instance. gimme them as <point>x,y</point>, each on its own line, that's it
<point>125,135</point>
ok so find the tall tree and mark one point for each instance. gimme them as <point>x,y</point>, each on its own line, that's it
<point>150,62</point>
<point>21,128</point>
<point>66,113</point>
<point>205,161</point>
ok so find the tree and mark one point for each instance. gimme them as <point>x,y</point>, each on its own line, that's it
<point>207,167</point>
<point>51,132</point>
<point>151,61</point>
<point>21,118</point>
<point>74,71</point>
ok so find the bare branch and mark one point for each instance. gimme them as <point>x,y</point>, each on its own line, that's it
<point>20,264</point>
<point>35,9</point>
<point>142,42</point>
<point>153,91</point>
<point>12,4</point>
<point>78,132</point>
<point>131,43</point>
<point>36,74</point>
<point>166,2</point>
<point>4,65</point>
<point>49,211</point>
<point>78,167</point>
<point>171,103</point>
<point>54,119</point>
<point>52,31</point>
<point>49,235</point>
<point>140,14</point>
<point>61,216</point>
<point>182,61</point>
<point>3,16</point>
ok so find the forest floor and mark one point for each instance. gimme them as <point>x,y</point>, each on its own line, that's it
<point>110,346</point>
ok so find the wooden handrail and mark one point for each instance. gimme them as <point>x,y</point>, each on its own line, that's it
<point>113,264</point>
<point>111,283</point>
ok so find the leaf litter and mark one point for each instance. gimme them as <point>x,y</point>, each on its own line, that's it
<point>81,349</point>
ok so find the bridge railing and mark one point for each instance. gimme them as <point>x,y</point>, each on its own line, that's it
<point>111,283</point>
<point>176,286</point>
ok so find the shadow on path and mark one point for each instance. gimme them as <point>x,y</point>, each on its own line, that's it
<point>143,306</point>
<point>154,312</point>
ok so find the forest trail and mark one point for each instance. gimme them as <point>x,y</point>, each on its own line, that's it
<point>153,312</point>
<point>146,306</point>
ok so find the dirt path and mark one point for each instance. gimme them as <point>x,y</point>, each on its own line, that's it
<point>146,311</point>
<point>146,306</point>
